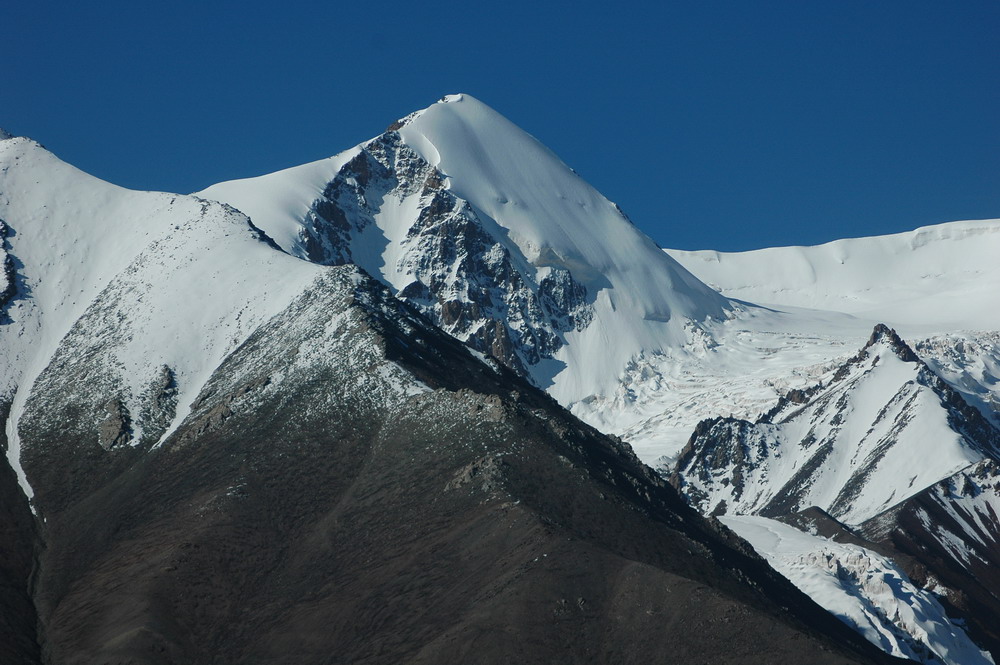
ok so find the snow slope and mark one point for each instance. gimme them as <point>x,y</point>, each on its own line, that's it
<point>944,276</point>
<point>279,202</point>
<point>864,590</point>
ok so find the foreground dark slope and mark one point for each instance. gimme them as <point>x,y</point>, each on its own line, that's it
<point>18,545</point>
<point>322,505</point>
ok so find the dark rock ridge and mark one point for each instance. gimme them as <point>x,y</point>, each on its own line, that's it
<point>8,275</point>
<point>462,276</point>
<point>352,486</point>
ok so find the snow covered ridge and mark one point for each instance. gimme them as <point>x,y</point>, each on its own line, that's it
<point>487,232</point>
<point>865,590</point>
<point>943,276</point>
<point>884,428</point>
<point>971,501</point>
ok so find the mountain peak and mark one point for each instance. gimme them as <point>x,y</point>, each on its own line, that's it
<point>4,134</point>
<point>885,334</point>
<point>447,99</point>
<point>454,201</point>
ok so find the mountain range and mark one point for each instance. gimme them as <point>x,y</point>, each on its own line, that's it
<point>436,399</point>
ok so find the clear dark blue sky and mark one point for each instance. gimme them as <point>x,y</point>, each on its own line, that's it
<point>730,125</point>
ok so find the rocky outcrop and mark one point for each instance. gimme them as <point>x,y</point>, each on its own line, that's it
<point>116,426</point>
<point>8,275</point>
<point>159,406</point>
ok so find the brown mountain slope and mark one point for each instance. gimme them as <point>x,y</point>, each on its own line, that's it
<point>352,486</point>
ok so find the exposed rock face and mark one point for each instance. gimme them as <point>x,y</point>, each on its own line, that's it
<point>8,276</point>
<point>159,406</point>
<point>116,427</point>
<point>353,486</point>
<point>451,267</point>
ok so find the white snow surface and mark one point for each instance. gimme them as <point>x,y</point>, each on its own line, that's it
<point>945,276</point>
<point>863,589</point>
<point>938,286</point>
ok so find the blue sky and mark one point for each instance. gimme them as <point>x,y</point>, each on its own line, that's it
<point>726,125</point>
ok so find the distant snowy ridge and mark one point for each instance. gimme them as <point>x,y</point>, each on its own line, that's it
<point>944,276</point>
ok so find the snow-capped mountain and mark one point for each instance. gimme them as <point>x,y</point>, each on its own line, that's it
<point>474,222</point>
<point>273,346</point>
<point>887,448</point>
<point>937,285</point>
<point>129,289</point>
<point>477,224</point>
<point>233,454</point>
<point>488,233</point>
